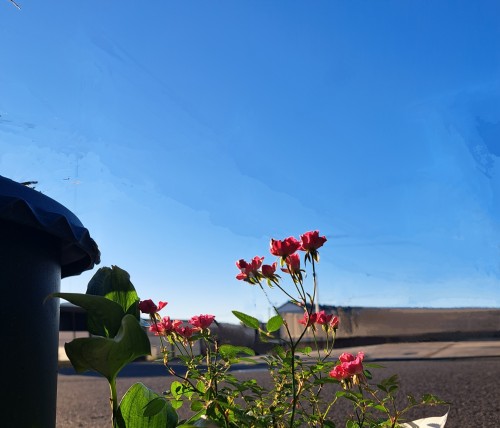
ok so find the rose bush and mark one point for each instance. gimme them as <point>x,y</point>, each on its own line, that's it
<point>302,376</point>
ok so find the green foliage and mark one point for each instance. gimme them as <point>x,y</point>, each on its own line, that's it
<point>104,315</point>
<point>140,407</point>
<point>114,284</point>
<point>247,320</point>
<point>274,323</point>
<point>108,356</point>
<point>230,352</point>
<point>111,303</point>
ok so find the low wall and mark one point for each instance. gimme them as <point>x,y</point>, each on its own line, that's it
<point>406,324</point>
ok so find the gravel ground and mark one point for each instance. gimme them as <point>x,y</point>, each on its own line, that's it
<point>471,385</point>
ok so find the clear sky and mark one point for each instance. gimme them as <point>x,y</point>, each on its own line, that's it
<point>186,134</point>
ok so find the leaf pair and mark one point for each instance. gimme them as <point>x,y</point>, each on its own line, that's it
<point>111,303</point>
<point>272,325</point>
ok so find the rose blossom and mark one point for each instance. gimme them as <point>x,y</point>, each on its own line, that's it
<point>334,322</point>
<point>311,241</point>
<point>249,270</point>
<point>323,318</point>
<point>327,320</point>
<point>292,264</point>
<point>339,373</point>
<point>202,321</point>
<point>185,331</point>
<point>308,320</point>
<point>165,326</point>
<point>284,248</point>
<point>350,369</point>
<point>149,307</point>
<point>269,270</point>
<point>352,364</point>
<point>157,328</point>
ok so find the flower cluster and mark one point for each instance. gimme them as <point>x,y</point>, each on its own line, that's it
<point>349,370</point>
<point>327,321</point>
<point>286,249</point>
<point>250,271</point>
<point>166,327</point>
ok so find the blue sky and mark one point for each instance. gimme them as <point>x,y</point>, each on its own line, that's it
<point>185,135</point>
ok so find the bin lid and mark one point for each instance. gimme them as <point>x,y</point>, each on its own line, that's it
<point>27,207</point>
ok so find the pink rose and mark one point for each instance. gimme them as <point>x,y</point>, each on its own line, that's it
<point>323,318</point>
<point>148,306</point>
<point>284,248</point>
<point>339,373</point>
<point>249,271</point>
<point>352,365</point>
<point>167,324</point>
<point>202,321</point>
<point>157,329</point>
<point>311,241</point>
<point>308,320</point>
<point>346,357</point>
<point>241,264</point>
<point>269,270</point>
<point>292,264</point>
<point>184,331</point>
<point>334,322</point>
<point>350,369</point>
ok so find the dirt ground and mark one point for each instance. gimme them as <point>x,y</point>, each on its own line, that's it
<point>471,385</point>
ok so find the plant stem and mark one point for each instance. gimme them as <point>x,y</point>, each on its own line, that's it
<point>294,386</point>
<point>315,287</point>
<point>114,402</point>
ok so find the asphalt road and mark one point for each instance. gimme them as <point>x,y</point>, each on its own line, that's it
<point>471,385</point>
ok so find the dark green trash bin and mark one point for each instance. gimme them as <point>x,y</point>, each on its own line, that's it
<point>40,242</point>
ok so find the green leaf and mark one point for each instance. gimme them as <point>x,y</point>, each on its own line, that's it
<point>108,356</point>
<point>114,284</point>
<point>274,323</point>
<point>305,350</point>
<point>230,351</point>
<point>248,320</point>
<point>104,316</point>
<point>200,386</point>
<point>176,404</point>
<point>155,406</point>
<point>196,406</point>
<point>176,389</point>
<point>380,407</point>
<point>136,400</point>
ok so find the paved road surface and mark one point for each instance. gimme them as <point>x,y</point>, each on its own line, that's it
<point>470,384</point>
